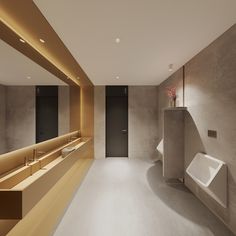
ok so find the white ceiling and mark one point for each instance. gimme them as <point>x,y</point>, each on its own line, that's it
<point>153,33</point>
<point>15,67</point>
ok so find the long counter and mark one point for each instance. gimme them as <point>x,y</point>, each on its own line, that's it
<point>22,188</point>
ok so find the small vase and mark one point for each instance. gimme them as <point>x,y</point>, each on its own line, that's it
<point>173,102</point>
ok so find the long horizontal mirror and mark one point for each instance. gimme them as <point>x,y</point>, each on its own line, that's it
<point>34,104</point>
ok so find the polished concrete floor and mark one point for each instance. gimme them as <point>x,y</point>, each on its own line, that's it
<point>122,197</point>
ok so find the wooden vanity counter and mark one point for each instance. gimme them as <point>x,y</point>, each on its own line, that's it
<point>22,188</point>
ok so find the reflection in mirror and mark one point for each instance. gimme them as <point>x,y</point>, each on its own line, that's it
<point>34,104</point>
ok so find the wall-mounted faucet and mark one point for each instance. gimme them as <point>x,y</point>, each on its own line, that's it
<point>26,161</point>
<point>72,138</point>
<point>36,154</point>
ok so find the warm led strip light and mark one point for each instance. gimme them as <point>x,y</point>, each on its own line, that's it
<point>39,51</point>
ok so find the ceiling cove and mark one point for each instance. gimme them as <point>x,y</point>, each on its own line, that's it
<point>134,42</point>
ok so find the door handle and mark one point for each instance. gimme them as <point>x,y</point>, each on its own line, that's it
<point>124,130</point>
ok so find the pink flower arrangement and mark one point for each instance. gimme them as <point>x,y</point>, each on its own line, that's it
<point>171,92</point>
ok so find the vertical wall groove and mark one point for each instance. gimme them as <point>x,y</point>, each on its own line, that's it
<point>183,85</point>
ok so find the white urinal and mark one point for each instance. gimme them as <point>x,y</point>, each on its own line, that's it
<point>160,149</point>
<point>211,175</point>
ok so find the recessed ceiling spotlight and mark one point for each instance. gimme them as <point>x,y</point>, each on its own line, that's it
<point>28,77</point>
<point>42,40</point>
<point>171,67</point>
<point>117,77</point>
<point>117,40</point>
<point>22,40</point>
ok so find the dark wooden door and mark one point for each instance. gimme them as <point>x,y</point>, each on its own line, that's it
<point>46,113</point>
<point>116,121</point>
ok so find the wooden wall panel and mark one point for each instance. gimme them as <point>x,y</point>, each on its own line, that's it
<point>75,108</point>
<point>22,19</point>
<point>87,111</point>
<point>87,115</point>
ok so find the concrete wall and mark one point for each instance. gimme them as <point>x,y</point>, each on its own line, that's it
<point>63,110</point>
<point>2,119</point>
<point>211,101</point>
<point>143,120</point>
<point>210,96</point>
<point>20,116</point>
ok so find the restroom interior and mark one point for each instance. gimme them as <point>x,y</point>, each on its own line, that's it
<point>131,147</point>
